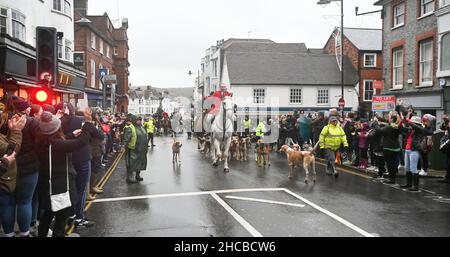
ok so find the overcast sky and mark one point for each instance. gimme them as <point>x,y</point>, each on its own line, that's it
<point>168,38</point>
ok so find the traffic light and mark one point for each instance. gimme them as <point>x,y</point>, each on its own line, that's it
<point>46,56</point>
<point>41,96</point>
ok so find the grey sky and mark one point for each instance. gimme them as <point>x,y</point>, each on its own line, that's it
<point>168,38</point>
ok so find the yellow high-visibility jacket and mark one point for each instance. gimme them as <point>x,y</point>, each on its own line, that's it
<point>150,126</point>
<point>332,137</point>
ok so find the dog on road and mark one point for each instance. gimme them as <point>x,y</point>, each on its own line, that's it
<point>176,147</point>
<point>296,158</point>
<point>262,152</point>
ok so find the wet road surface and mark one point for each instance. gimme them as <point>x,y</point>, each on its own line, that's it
<point>196,199</point>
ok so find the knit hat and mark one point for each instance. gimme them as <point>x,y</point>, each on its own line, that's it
<point>333,118</point>
<point>416,119</point>
<point>49,124</point>
<point>20,104</point>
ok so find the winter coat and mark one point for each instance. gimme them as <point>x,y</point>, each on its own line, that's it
<point>390,135</point>
<point>317,126</point>
<point>349,128</point>
<point>304,128</point>
<point>376,139</point>
<point>363,142</point>
<point>62,152</point>
<point>420,133</point>
<point>8,178</point>
<point>70,124</point>
<point>27,159</point>
<point>332,137</point>
<point>97,143</point>
<point>138,156</point>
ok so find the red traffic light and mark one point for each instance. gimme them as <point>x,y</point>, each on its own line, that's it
<point>41,96</point>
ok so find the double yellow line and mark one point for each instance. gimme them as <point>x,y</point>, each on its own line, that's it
<point>101,184</point>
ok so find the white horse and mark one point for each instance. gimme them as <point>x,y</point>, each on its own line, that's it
<point>222,130</point>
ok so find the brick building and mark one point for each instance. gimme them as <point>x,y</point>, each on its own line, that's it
<point>363,47</point>
<point>103,47</point>
<point>410,47</point>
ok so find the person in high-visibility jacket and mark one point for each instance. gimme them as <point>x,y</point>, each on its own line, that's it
<point>135,140</point>
<point>150,126</point>
<point>247,126</point>
<point>331,138</point>
<point>260,130</point>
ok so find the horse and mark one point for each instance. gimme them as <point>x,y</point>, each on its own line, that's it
<point>222,130</point>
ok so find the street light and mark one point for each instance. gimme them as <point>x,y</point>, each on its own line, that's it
<point>323,2</point>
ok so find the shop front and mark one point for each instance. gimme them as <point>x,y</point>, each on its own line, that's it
<point>18,73</point>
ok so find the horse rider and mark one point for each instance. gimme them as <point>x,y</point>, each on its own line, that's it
<point>219,94</point>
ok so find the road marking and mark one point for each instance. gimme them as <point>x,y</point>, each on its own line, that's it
<point>237,217</point>
<point>428,191</point>
<point>347,171</point>
<point>332,215</point>
<point>263,201</point>
<point>101,184</point>
<point>187,194</point>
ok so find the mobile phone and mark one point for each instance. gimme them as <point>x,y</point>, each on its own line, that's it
<point>11,148</point>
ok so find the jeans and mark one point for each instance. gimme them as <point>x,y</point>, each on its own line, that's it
<point>26,185</point>
<point>83,176</point>
<point>7,212</point>
<point>411,160</point>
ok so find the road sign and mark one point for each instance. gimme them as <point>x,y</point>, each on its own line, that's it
<point>383,103</point>
<point>341,103</point>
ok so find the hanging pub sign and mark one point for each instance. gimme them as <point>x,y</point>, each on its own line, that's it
<point>78,59</point>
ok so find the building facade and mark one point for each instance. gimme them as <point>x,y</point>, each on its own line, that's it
<point>143,102</point>
<point>443,73</point>
<point>363,47</point>
<point>107,47</point>
<point>284,77</point>
<point>18,22</point>
<point>410,54</point>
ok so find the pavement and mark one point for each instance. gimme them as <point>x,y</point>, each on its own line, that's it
<point>401,171</point>
<point>194,199</point>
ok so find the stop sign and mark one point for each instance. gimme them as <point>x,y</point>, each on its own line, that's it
<point>341,103</point>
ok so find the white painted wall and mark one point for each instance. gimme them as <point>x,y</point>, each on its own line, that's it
<point>211,54</point>
<point>145,108</point>
<point>40,13</point>
<point>279,96</point>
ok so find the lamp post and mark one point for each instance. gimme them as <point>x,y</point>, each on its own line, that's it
<point>323,2</point>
